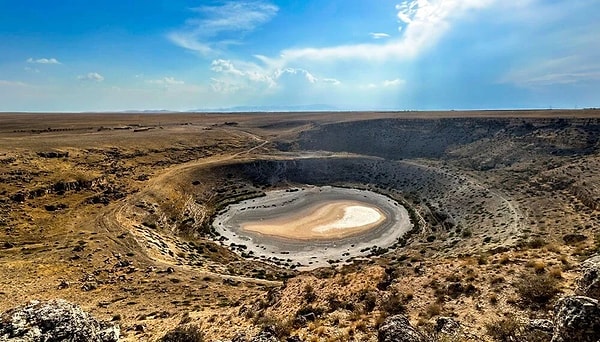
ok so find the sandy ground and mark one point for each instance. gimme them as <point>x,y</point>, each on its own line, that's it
<point>313,226</point>
<point>330,220</point>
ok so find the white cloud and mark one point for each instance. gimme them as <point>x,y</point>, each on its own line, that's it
<point>392,83</point>
<point>43,61</point>
<point>224,86</point>
<point>92,76</point>
<point>379,35</point>
<point>242,75</point>
<point>5,83</point>
<point>204,33</point>
<point>331,81</point>
<point>291,71</point>
<point>422,23</point>
<point>384,84</point>
<point>34,70</point>
<point>166,81</point>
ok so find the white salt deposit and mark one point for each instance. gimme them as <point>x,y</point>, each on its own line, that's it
<point>354,216</point>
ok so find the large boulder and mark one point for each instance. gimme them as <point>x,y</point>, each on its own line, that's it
<point>397,328</point>
<point>55,320</point>
<point>576,319</point>
<point>589,283</point>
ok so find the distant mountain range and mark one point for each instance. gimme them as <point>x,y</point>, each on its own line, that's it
<point>293,108</point>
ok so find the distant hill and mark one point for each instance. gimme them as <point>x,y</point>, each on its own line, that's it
<point>293,108</point>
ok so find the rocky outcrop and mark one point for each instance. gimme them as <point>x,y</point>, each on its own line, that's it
<point>539,330</point>
<point>266,335</point>
<point>55,320</point>
<point>63,186</point>
<point>589,283</point>
<point>54,154</point>
<point>539,324</point>
<point>447,326</point>
<point>576,319</point>
<point>398,329</point>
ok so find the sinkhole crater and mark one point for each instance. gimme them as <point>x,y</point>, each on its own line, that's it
<point>313,226</point>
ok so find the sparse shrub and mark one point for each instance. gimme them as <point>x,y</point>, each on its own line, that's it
<point>433,309</point>
<point>309,313</point>
<point>336,304</point>
<point>536,243</point>
<point>555,272</point>
<point>596,247</point>
<point>189,333</point>
<point>564,260</point>
<point>309,293</point>
<point>553,247</point>
<point>537,290</point>
<point>280,327</point>
<point>369,300</point>
<point>482,259</point>
<point>361,326</point>
<point>493,299</point>
<point>150,224</point>
<point>504,330</point>
<point>394,304</point>
<point>504,260</point>
<point>497,280</point>
<point>511,330</point>
<point>538,266</point>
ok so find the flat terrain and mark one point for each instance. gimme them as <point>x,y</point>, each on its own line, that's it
<point>331,220</point>
<point>114,212</point>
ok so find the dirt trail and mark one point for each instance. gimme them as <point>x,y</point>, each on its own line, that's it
<point>117,219</point>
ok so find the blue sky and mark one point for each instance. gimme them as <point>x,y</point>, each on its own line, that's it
<point>77,55</point>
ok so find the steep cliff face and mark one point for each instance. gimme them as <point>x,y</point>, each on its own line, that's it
<point>441,138</point>
<point>448,201</point>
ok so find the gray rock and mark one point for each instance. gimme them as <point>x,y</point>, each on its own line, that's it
<point>539,330</point>
<point>544,325</point>
<point>398,329</point>
<point>241,337</point>
<point>266,335</point>
<point>589,283</point>
<point>55,320</point>
<point>447,326</point>
<point>576,319</point>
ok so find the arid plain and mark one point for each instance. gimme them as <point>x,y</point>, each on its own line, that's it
<point>114,212</point>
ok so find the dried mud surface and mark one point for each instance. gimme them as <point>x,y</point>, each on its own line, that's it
<point>302,244</point>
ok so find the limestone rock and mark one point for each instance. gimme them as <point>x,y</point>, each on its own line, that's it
<point>589,283</point>
<point>576,319</point>
<point>398,329</point>
<point>266,335</point>
<point>447,326</point>
<point>55,320</point>
<point>539,330</point>
<point>544,325</point>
